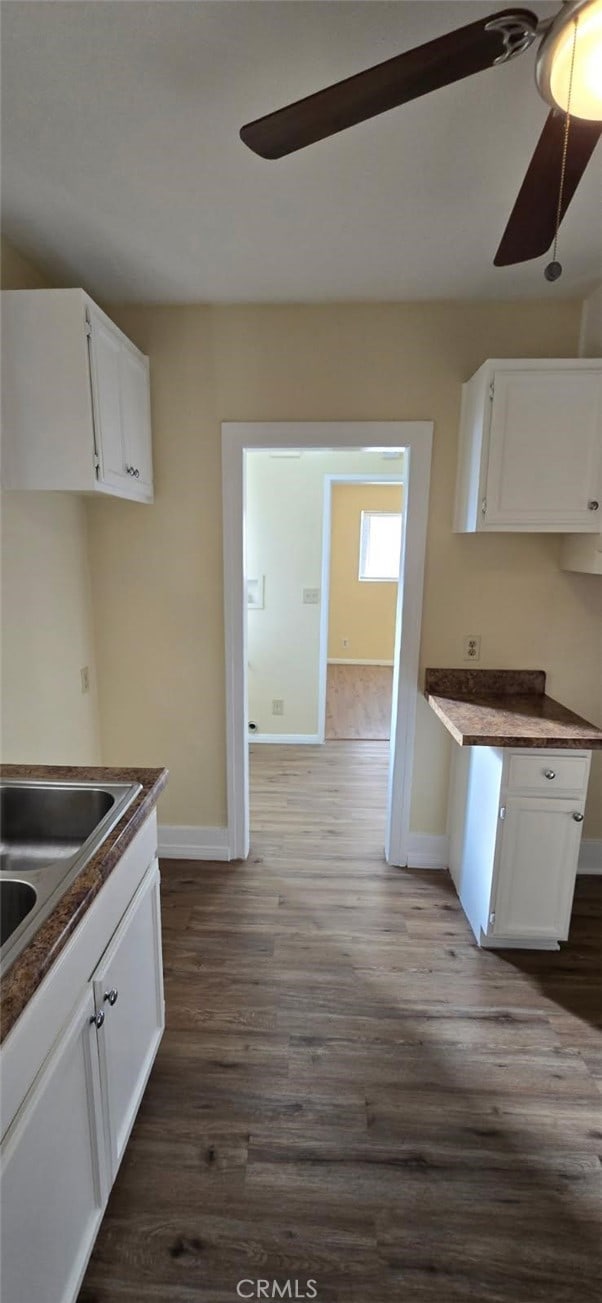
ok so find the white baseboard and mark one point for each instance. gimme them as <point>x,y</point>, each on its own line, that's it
<point>347,660</point>
<point>181,842</point>
<point>590,855</point>
<point>287,739</point>
<point>428,851</point>
<point>425,850</point>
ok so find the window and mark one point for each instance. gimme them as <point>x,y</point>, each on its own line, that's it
<point>380,545</point>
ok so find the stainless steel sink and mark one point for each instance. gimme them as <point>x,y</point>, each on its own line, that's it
<point>48,833</point>
<point>17,900</point>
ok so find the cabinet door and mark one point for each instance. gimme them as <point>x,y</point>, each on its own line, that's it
<point>105,369</point>
<point>135,407</point>
<point>128,988</point>
<point>535,868</point>
<point>545,450</point>
<point>53,1177</point>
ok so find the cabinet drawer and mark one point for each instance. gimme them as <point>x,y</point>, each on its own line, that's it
<point>548,773</point>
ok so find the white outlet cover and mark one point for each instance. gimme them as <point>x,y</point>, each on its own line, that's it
<point>311,596</point>
<point>472,647</point>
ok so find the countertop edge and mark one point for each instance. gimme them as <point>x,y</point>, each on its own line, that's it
<point>440,713</point>
<point>521,741</point>
<point>23,978</point>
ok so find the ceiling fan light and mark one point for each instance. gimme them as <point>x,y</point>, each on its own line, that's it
<point>555,58</point>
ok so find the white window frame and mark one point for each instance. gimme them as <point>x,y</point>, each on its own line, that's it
<point>375,579</point>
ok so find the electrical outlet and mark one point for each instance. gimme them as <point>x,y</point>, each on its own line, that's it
<point>84,675</point>
<point>277,706</point>
<point>345,642</point>
<point>311,596</point>
<point>472,647</point>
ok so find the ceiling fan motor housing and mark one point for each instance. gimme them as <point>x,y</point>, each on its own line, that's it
<point>561,47</point>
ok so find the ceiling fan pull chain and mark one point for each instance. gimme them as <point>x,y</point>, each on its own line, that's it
<point>554,268</point>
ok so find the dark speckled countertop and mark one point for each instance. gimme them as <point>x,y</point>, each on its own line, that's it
<point>505,708</point>
<point>31,965</point>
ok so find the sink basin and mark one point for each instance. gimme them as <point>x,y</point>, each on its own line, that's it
<point>17,900</point>
<point>48,833</point>
<point>38,824</point>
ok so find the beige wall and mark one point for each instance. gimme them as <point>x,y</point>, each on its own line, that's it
<point>158,570</point>
<point>590,342</point>
<point>361,617</point>
<point>284,523</point>
<point>47,634</point>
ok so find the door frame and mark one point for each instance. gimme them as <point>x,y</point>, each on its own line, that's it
<point>329,480</point>
<point>238,437</point>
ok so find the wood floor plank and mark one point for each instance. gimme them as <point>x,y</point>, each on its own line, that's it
<point>358,702</point>
<point>348,1089</point>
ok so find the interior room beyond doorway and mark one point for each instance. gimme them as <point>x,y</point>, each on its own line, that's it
<point>365,537</point>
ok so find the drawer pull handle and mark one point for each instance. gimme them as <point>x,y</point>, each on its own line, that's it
<point>98,1018</point>
<point>550,773</point>
<point>593,505</point>
<point>111,996</point>
<point>577,817</point>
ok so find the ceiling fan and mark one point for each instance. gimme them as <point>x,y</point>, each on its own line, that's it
<point>568,76</point>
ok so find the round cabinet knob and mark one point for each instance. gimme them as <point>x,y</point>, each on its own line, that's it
<point>550,773</point>
<point>111,996</point>
<point>593,505</point>
<point>136,472</point>
<point>130,470</point>
<point>98,1018</point>
<point>577,817</point>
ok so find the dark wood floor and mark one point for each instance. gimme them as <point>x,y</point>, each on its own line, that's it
<point>348,1090</point>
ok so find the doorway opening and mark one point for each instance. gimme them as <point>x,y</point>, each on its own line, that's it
<point>362,536</point>
<point>245,593</point>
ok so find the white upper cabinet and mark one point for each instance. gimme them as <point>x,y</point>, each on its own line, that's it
<point>530,454</point>
<point>75,398</point>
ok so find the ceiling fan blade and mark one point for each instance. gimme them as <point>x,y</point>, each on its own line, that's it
<point>532,224</point>
<point>440,62</point>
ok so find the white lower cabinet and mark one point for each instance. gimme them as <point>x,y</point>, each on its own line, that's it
<point>128,994</point>
<point>535,872</point>
<point>515,831</point>
<point>54,1182</point>
<point>61,1152</point>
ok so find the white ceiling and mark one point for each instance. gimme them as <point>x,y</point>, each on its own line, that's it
<point>122,168</point>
